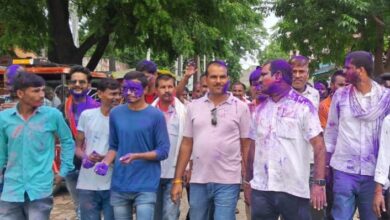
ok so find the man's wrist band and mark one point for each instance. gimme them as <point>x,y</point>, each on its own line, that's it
<point>177,181</point>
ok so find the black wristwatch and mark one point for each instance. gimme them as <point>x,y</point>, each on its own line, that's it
<point>320,182</point>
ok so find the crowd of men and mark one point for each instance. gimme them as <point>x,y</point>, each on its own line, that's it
<point>298,151</point>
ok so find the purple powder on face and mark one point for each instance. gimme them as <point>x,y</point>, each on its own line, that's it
<point>226,87</point>
<point>79,95</point>
<point>134,87</point>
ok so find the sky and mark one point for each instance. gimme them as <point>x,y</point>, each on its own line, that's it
<point>269,22</point>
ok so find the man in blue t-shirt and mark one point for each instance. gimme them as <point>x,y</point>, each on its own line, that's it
<point>138,142</point>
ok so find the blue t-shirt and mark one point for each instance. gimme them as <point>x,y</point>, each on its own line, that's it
<point>137,132</point>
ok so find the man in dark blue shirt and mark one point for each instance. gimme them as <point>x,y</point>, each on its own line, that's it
<point>138,142</point>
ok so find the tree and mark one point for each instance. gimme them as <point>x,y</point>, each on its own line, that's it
<point>167,27</point>
<point>271,52</point>
<point>327,30</point>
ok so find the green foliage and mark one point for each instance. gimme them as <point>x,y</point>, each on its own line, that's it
<point>271,52</point>
<point>224,28</point>
<point>327,30</point>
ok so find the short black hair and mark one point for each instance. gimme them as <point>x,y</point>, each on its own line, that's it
<point>25,80</point>
<point>137,75</point>
<point>165,77</point>
<point>283,67</point>
<point>216,62</point>
<point>146,66</point>
<point>107,83</point>
<point>361,59</point>
<point>80,69</point>
<point>239,83</point>
<point>335,74</point>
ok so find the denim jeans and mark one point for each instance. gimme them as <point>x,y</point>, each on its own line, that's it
<point>71,183</point>
<point>351,191</point>
<point>224,197</point>
<point>93,203</point>
<point>165,208</point>
<point>123,203</point>
<point>269,205</point>
<point>37,209</point>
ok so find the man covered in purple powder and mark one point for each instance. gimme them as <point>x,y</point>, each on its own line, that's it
<point>78,101</point>
<point>352,137</point>
<point>285,127</point>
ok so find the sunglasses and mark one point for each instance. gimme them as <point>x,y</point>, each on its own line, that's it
<point>214,116</point>
<point>81,82</point>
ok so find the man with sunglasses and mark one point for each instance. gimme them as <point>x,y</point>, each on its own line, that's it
<point>77,102</point>
<point>215,133</point>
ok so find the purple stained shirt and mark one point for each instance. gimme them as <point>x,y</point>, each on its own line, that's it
<point>216,150</point>
<point>353,142</point>
<point>282,131</point>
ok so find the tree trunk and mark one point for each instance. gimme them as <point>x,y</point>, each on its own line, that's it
<point>379,45</point>
<point>61,47</point>
<point>98,53</point>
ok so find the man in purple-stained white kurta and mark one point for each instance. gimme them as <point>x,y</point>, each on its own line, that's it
<point>284,127</point>
<point>215,132</point>
<point>352,137</point>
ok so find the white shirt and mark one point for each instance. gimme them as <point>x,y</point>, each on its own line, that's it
<point>350,139</point>
<point>282,131</point>
<point>313,95</point>
<point>383,163</point>
<point>175,118</point>
<point>95,127</point>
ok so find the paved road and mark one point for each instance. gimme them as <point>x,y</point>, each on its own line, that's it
<point>63,207</point>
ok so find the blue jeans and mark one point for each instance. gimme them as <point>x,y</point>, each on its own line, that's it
<point>71,183</point>
<point>123,203</point>
<point>349,191</point>
<point>93,203</point>
<point>224,197</point>
<point>37,209</point>
<point>165,208</point>
<point>269,205</point>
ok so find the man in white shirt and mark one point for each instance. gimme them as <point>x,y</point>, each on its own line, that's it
<point>300,69</point>
<point>284,127</point>
<point>300,77</point>
<point>174,112</point>
<point>352,137</point>
<point>92,146</point>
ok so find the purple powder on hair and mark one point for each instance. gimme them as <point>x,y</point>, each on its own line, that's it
<point>134,87</point>
<point>11,73</point>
